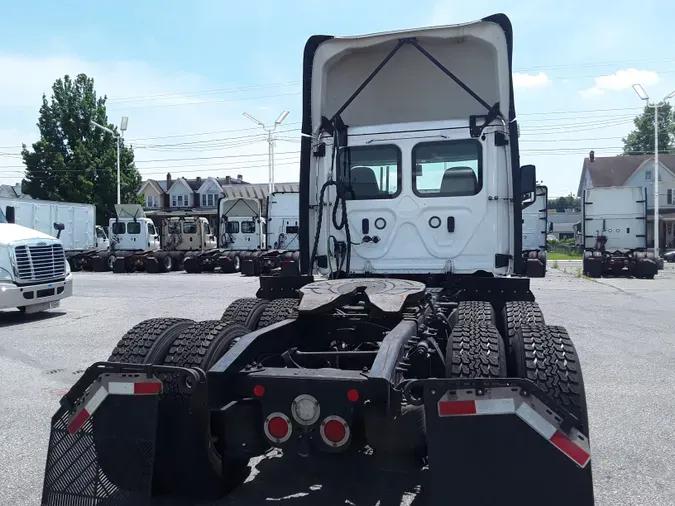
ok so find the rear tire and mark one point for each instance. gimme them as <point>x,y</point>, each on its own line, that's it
<point>246,312</point>
<point>475,351</point>
<point>278,310</point>
<point>187,462</point>
<point>546,355</point>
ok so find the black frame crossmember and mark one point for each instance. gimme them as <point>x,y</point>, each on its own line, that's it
<point>492,111</point>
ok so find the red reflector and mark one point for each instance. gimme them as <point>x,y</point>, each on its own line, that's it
<point>258,390</point>
<point>277,427</point>
<point>573,451</point>
<point>147,388</point>
<point>353,394</point>
<point>335,431</point>
<point>78,421</point>
<point>288,261</point>
<point>457,408</point>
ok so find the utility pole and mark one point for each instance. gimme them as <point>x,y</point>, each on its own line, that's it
<point>271,141</point>
<point>118,137</point>
<point>643,95</point>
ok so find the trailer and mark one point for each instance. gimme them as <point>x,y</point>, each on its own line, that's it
<point>82,239</point>
<point>414,353</point>
<point>535,228</point>
<point>614,233</point>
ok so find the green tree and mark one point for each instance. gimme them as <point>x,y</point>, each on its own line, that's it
<point>641,140</point>
<point>74,161</point>
<point>561,204</point>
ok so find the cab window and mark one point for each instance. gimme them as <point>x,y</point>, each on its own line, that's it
<point>447,168</point>
<point>232,227</point>
<point>207,229</point>
<point>118,228</point>
<point>371,172</point>
<point>151,229</point>
<point>100,234</point>
<point>189,227</point>
<point>134,228</point>
<point>248,227</point>
<point>173,227</point>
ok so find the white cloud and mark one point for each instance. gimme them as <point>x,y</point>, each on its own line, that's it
<point>521,80</point>
<point>620,81</point>
<point>158,109</point>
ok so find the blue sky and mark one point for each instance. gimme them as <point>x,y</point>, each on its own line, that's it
<point>185,71</point>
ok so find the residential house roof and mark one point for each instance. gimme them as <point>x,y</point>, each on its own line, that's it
<point>165,184</point>
<point>607,171</point>
<point>13,192</point>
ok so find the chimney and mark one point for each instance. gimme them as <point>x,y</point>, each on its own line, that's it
<point>228,180</point>
<point>199,180</point>
<point>591,156</point>
<point>168,181</point>
<point>240,177</point>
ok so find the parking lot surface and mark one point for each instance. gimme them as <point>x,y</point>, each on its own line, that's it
<point>623,330</point>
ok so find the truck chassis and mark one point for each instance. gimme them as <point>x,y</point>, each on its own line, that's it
<point>412,374</point>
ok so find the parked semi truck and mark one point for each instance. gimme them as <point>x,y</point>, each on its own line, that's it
<point>132,236</point>
<point>250,241</point>
<point>181,237</point>
<point>82,239</point>
<point>614,233</point>
<point>34,273</point>
<point>414,353</point>
<point>535,228</point>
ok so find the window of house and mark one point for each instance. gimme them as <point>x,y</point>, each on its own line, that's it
<point>174,201</point>
<point>203,199</point>
<point>248,227</point>
<point>189,227</point>
<point>151,229</point>
<point>447,168</point>
<point>648,175</point>
<point>373,172</point>
<point>134,228</point>
<point>669,196</point>
<point>118,228</point>
<point>232,227</point>
<point>211,199</point>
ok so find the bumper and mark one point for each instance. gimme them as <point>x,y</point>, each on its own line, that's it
<point>35,295</point>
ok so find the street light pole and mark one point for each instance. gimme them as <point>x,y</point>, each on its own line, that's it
<point>643,95</point>
<point>271,140</point>
<point>118,138</point>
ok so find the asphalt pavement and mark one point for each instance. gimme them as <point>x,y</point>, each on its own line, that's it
<point>623,330</point>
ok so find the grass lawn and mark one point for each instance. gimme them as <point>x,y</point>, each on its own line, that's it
<point>554,255</point>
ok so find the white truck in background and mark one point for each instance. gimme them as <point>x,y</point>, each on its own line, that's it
<point>82,239</point>
<point>614,232</point>
<point>34,273</point>
<point>535,228</point>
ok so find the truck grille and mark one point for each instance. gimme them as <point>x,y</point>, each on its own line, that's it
<point>35,264</point>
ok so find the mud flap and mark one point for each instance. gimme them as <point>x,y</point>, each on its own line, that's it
<point>502,442</point>
<point>102,443</point>
<point>535,268</point>
<point>120,265</point>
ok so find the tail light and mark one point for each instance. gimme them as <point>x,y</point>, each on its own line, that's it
<point>335,431</point>
<point>278,427</point>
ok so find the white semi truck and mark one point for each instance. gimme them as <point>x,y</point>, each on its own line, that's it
<point>82,239</point>
<point>251,241</point>
<point>34,273</point>
<point>614,233</point>
<point>535,225</point>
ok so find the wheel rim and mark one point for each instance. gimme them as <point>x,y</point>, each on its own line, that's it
<point>237,263</point>
<point>111,261</point>
<point>167,263</point>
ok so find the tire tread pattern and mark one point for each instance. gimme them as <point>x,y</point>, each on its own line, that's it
<point>278,310</point>
<point>243,312</point>
<point>475,351</point>
<point>475,311</point>
<point>519,313</point>
<point>135,345</point>
<point>549,359</point>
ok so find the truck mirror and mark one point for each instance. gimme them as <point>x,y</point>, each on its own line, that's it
<point>9,214</point>
<point>59,227</point>
<point>528,179</point>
